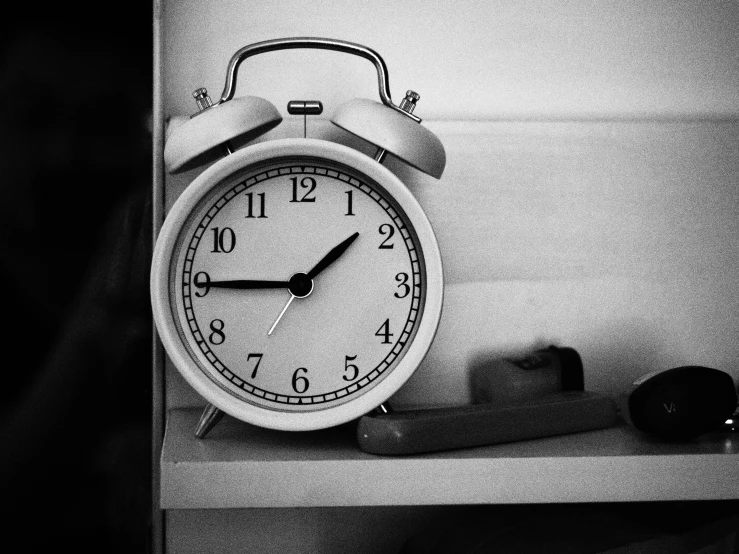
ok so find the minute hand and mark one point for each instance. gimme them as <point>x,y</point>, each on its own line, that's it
<point>332,256</point>
<point>244,284</point>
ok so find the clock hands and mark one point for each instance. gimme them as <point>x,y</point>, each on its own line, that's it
<point>332,256</point>
<point>279,317</point>
<point>243,284</point>
<point>300,285</point>
<point>297,283</point>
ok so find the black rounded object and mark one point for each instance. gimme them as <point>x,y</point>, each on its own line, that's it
<point>682,402</point>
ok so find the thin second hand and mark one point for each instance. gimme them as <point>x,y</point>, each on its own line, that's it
<point>292,297</point>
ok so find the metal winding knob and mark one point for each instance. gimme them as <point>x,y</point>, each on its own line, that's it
<point>408,104</point>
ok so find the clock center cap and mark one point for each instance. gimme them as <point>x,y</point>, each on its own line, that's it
<point>300,285</point>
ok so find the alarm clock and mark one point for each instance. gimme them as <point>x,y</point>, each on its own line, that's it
<point>296,283</point>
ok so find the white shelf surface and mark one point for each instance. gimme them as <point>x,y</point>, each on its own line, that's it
<point>242,466</point>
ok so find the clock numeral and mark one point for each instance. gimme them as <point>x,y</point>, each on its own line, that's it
<point>349,202</point>
<point>305,183</point>
<point>384,332</point>
<point>300,383</point>
<point>217,336</point>
<point>389,230</point>
<point>350,367</point>
<point>256,366</point>
<point>250,205</point>
<point>402,279</point>
<point>224,240</point>
<point>201,281</point>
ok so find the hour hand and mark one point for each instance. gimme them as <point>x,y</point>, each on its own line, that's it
<point>242,284</point>
<point>332,256</point>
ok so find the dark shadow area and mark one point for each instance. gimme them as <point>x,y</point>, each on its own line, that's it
<point>75,242</point>
<point>613,528</point>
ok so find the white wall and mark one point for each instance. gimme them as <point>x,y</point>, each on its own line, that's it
<point>472,58</point>
<point>561,205</point>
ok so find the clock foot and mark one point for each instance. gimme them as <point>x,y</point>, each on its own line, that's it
<point>384,408</point>
<point>208,419</point>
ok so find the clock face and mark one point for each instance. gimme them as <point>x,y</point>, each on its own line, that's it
<point>297,284</point>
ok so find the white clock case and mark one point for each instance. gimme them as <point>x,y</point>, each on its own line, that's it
<point>164,317</point>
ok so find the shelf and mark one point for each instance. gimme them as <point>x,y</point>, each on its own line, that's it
<point>242,466</point>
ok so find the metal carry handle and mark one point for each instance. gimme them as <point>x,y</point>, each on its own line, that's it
<point>317,43</point>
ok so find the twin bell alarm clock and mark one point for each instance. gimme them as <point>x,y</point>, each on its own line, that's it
<point>296,283</point>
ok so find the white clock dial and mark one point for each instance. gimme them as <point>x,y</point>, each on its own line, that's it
<point>297,284</point>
